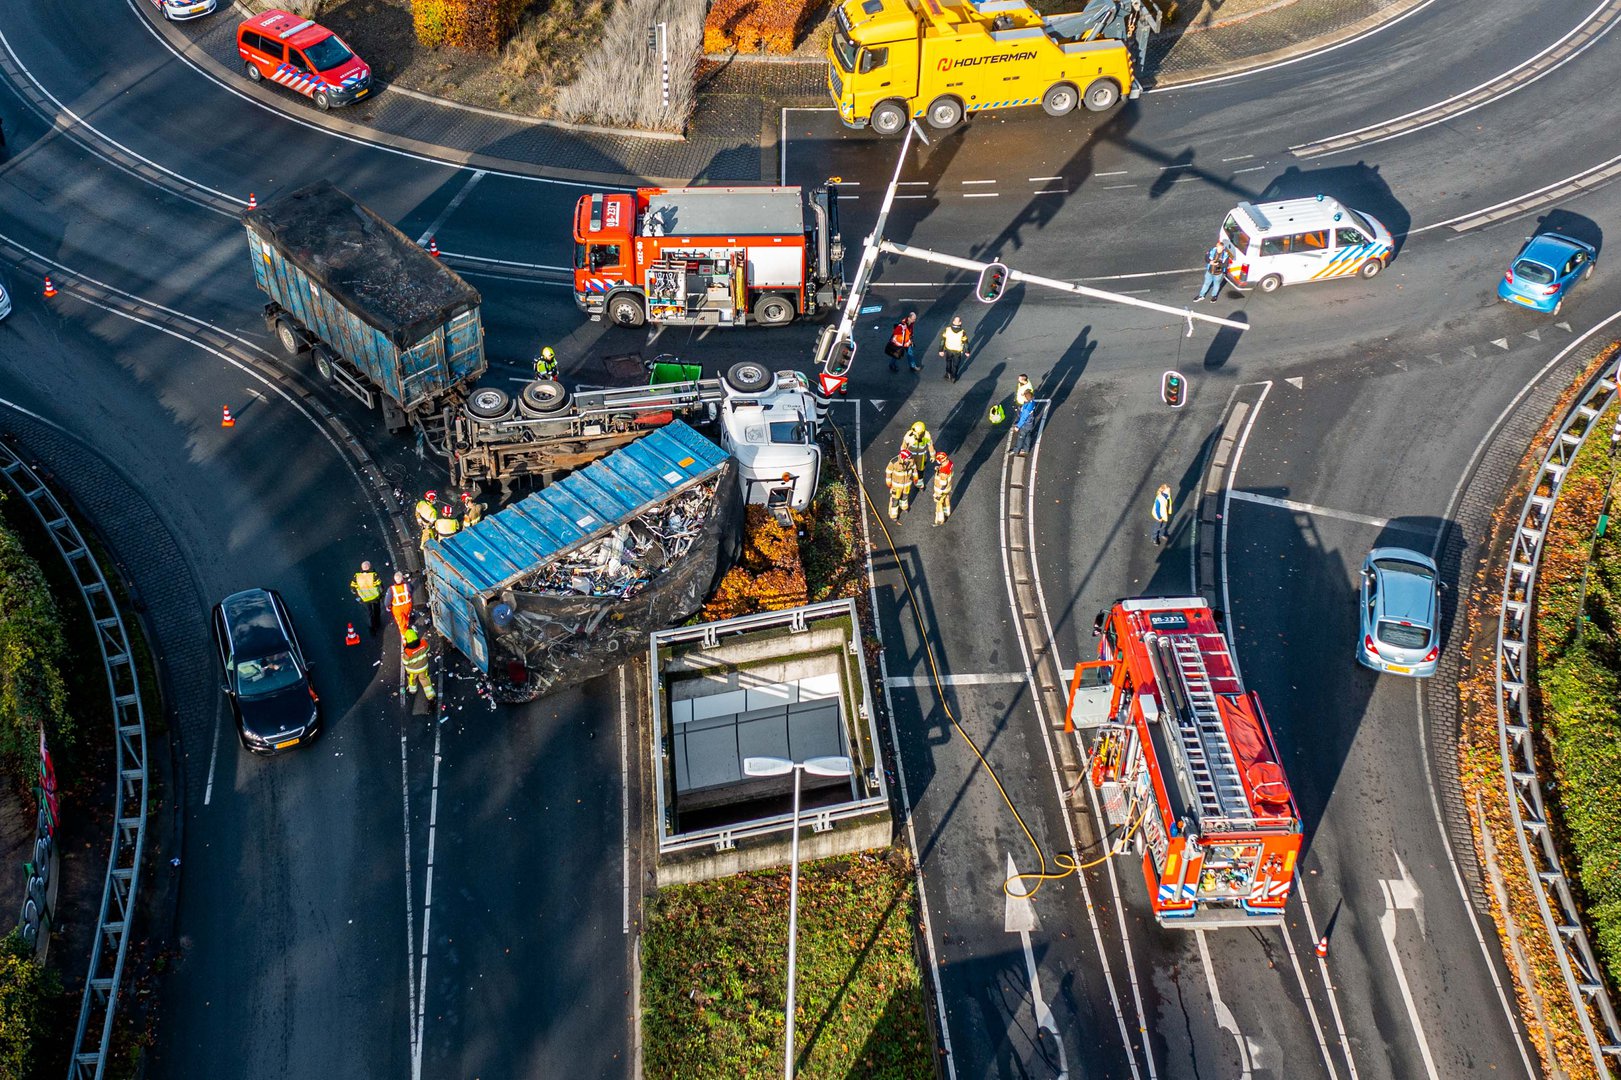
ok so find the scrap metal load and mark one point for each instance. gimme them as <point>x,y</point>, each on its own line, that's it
<point>371,310</point>
<point>563,585</point>
<point>1186,763</point>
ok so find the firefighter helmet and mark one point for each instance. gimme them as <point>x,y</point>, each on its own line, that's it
<point>940,458</point>
<point>431,495</point>
<point>906,455</point>
<point>411,637</point>
<point>919,429</point>
<point>547,353</point>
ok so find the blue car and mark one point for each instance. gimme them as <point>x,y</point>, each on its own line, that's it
<point>1546,267</point>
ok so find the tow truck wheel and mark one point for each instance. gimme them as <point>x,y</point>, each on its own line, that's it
<point>291,343</point>
<point>489,403</point>
<point>322,101</point>
<point>323,362</point>
<point>625,311</point>
<point>1370,268</point>
<point>888,118</point>
<point>1270,284</point>
<point>773,310</point>
<point>1060,99</point>
<point>1102,95</point>
<point>748,377</point>
<point>251,70</point>
<point>542,397</point>
<point>944,113</point>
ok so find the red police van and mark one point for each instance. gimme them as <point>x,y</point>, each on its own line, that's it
<point>304,56</point>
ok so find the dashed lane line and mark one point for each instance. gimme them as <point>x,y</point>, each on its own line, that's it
<point>988,679</point>
<point>1323,511</point>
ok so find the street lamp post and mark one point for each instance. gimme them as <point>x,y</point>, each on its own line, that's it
<point>775,766</point>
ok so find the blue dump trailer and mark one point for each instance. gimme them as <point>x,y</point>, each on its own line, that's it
<point>566,583</point>
<point>371,310</point>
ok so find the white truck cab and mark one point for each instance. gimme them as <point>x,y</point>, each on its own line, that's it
<point>771,431</point>
<point>1316,239</point>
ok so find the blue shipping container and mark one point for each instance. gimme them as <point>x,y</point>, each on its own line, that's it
<point>407,324</point>
<point>467,570</point>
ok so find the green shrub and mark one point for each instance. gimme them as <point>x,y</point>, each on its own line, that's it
<point>28,994</point>
<point>32,693</point>
<point>480,25</point>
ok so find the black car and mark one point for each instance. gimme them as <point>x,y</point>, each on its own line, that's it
<point>266,675</point>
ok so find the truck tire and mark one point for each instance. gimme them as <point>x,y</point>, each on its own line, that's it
<point>773,310</point>
<point>945,113</point>
<point>749,377</point>
<point>626,310</point>
<point>542,397</point>
<point>322,100</point>
<point>489,403</point>
<point>888,118</point>
<point>1102,95</point>
<point>1270,284</point>
<point>1370,268</point>
<point>323,362</point>
<point>1060,99</point>
<point>251,70</point>
<point>292,342</point>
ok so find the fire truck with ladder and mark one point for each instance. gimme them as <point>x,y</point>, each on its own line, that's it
<point>1185,761</point>
<point>708,256</point>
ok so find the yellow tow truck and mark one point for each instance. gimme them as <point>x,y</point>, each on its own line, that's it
<point>892,60</point>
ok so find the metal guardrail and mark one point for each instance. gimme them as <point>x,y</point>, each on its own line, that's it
<point>1560,914</point>
<point>118,894</point>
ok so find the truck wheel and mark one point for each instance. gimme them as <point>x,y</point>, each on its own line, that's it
<point>251,70</point>
<point>1370,268</point>
<point>1102,95</point>
<point>626,310</point>
<point>489,403</point>
<point>888,118</point>
<point>944,113</point>
<point>323,362</point>
<point>749,377</point>
<point>773,310</point>
<point>322,101</point>
<point>291,342</point>
<point>1270,284</point>
<point>542,397</point>
<point>1060,99</point>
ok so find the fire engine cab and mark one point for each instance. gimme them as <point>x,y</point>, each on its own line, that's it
<point>709,256</point>
<point>1185,761</point>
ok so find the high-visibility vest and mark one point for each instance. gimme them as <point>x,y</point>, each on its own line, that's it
<point>446,526</point>
<point>416,658</point>
<point>1024,393</point>
<point>954,339</point>
<point>367,586</point>
<point>918,444</point>
<point>427,513</point>
<point>473,514</point>
<point>902,337</point>
<point>399,596</point>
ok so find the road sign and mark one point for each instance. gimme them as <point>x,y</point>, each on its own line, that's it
<point>872,309</point>
<point>831,384</point>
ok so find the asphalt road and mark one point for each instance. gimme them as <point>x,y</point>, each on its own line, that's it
<point>313,940</point>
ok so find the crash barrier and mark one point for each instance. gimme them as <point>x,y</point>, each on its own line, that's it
<point>111,943</point>
<point>1560,914</point>
<point>34,922</point>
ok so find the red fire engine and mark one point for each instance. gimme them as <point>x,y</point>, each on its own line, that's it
<point>1186,761</point>
<point>713,256</point>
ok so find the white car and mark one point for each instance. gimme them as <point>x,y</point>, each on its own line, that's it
<point>181,10</point>
<point>5,301</point>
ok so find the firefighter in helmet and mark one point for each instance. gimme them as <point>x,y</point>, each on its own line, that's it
<point>472,510</point>
<point>546,364</point>
<point>414,652</point>
<point>447,525</point>
<point>899,476</point>
<point>427,513</point>
<point>942,487</point>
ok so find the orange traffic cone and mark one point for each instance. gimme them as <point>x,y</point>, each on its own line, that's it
<point>350,637</point>
<point>1322,947</point>
<point>433,247</point>
<point>50,290</point>
<point>226,419</point>
<point>253,203</point>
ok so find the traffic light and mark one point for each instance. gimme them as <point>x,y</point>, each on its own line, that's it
<point>1173,389</point>
<point>992,283</point>
<point>842,356</point>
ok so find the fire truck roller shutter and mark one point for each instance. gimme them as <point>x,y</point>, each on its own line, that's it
<point>777,267</point>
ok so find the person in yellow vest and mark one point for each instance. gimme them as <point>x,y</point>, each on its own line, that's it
<point>942,488</point>
<point>447,525</point>
<point>415,653</point>
<point>427,513</point>
<point>899,477</point>
<point>472,510</point>
<point>920,445</point>
<point>954,347</point>
<point>546,364</point>
<point>368,589</point>
<point>1023,392</point>
<point>399,602</point>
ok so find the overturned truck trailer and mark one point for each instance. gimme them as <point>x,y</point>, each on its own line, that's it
<point>562,585</point>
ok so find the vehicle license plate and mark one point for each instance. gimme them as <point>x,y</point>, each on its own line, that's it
<point>1399,670</point>
<point>1523,300</point>
<point>284,744</point>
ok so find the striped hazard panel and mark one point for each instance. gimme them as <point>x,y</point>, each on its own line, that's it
<point>1348,259</point>
<point>294,79</point>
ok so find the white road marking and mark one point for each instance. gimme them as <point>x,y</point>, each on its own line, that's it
<point>1019,917</point>
<point>913,183</point>
<point>252,393</point>
<point>410,910</point>
<point>214,754</point>
<point>1187,180</point>
<point>979,182</point>
<point>1052,765</point>
<point>981,194</point>
<point>1052,191</point>
<point>1043,179</point>
<point>956,680</point>
<point>1119,187</point>
<point>427,896</point>
<point>1117,172</point>
<point>1311,1009</point>
<point>450,207</point>
<point>1240,157</point>
<point>1224,1016</point>
<point>1402,894</point>
<point>900,776</point>
<point>1178,165</point>
<point>1323,511</point>
<point>898,195</point>
<point>624,790</point>
<point>1253,168</point>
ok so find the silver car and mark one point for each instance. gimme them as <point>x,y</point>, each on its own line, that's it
<point>5,301</point>
<point>1401,621</point>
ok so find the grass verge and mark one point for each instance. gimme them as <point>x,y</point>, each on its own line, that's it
<point>714,981</point>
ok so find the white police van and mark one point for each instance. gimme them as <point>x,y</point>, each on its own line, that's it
<point>1285,243</point>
